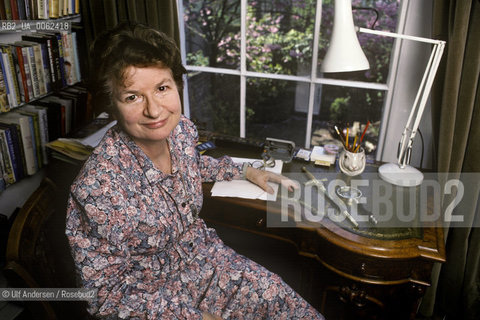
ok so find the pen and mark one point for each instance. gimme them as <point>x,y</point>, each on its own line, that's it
<point>340,135</point>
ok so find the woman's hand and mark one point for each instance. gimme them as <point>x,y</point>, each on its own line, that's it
<point>209,316</point>
<point>261,177</point>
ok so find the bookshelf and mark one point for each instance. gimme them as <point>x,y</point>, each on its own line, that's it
<point>41,51</point>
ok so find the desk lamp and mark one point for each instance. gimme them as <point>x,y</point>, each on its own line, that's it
<point>345,54</point>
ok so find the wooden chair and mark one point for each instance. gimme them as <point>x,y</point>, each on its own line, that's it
<point>38,254</point>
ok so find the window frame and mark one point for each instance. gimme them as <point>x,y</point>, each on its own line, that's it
<point>312,80</point>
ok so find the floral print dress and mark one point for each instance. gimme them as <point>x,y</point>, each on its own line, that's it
<point>135,237</point>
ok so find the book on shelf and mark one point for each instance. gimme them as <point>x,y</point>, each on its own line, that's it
<point>33,9</point>
<point>79,103</point>
<point>35,130</point>
<point>18,153</point>
<point>54,118</point>
<point>3,14</point>
<point>17,74</point>
<point>68,7</point>
<point>7,78</point>
<point>60,8</point>
<point>46,65</point>
<point>38,58</point>
<point>4,104</point>
<point>54,55</point>
<point>8,10</point>
<point>41,113</point>
<point>76,58</point>
<point>69,60</point>
<point>29,56</point>
<point>28,10</point>
<point>3,185</point>
<point>14,9</point>
<point>23,73</point>
<point>7,157</point>
<point>8,66</point>
<point>47,58</point>
<point>22,9</point>
<point>27,139</point>
<point>42,8</point>
<point>16,163</point>
<point>61,55</point>
<point>66,109</point>
<point>53,9</point>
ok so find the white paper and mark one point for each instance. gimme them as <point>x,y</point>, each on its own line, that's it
<point>245,189</point>
<point>318,153</point>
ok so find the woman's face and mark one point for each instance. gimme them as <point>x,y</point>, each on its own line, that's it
<point>148,104</point>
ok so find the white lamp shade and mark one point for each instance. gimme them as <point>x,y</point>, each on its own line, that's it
<point>344,53</point>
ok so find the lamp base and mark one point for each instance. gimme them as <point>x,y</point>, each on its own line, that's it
<point>406,177</point>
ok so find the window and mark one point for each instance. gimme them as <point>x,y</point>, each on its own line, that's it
<point>253,69</point>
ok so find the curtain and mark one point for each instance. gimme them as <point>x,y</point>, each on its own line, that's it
<point>455,291</point>
<point>101,15</point>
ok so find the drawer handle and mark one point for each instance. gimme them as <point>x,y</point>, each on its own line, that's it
<point>363,271</point>
<point>260,222</point>
<point>363,268</point>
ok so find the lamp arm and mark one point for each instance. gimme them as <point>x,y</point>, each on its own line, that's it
<point>423,92</point>
<point>399,36</point>
<point>418,108</point>
<point>419,104</point>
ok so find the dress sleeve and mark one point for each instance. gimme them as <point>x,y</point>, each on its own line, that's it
<point>212,169</point>
<point>101,234</point>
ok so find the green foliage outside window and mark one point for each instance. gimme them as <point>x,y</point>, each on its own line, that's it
<point>280,41</point>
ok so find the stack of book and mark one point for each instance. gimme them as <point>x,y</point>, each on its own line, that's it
<point>26,131</point>
<point>37,9</point>
<point>80,145</point>
<point>38,64</point>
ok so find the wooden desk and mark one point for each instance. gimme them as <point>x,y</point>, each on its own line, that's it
<point>378,278</point>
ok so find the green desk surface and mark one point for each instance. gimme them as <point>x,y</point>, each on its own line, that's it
<point>404,201</point>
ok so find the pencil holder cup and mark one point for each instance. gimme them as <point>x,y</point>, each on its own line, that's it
<point>352,163</point>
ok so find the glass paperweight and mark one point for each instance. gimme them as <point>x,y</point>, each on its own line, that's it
<point>349,193</point>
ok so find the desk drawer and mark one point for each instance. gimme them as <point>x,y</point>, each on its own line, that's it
<point>223,212</point>
<point>364,268</point>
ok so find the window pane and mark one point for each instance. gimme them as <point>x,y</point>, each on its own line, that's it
<point>279,40</point>
<point>347,107</point>
<point>271,110</point>
<point>376,48</point>
<point>215,102</point>
<point>280,36</point>
<point>212,33</point>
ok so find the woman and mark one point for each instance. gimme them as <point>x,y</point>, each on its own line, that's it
<point>132,215</point>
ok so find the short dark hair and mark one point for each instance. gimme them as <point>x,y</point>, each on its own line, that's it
<point>129,44</point>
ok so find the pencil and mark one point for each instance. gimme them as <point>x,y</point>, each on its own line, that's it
<point>354,143</point>
<point>346,139</point>
<point>363,135</point>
